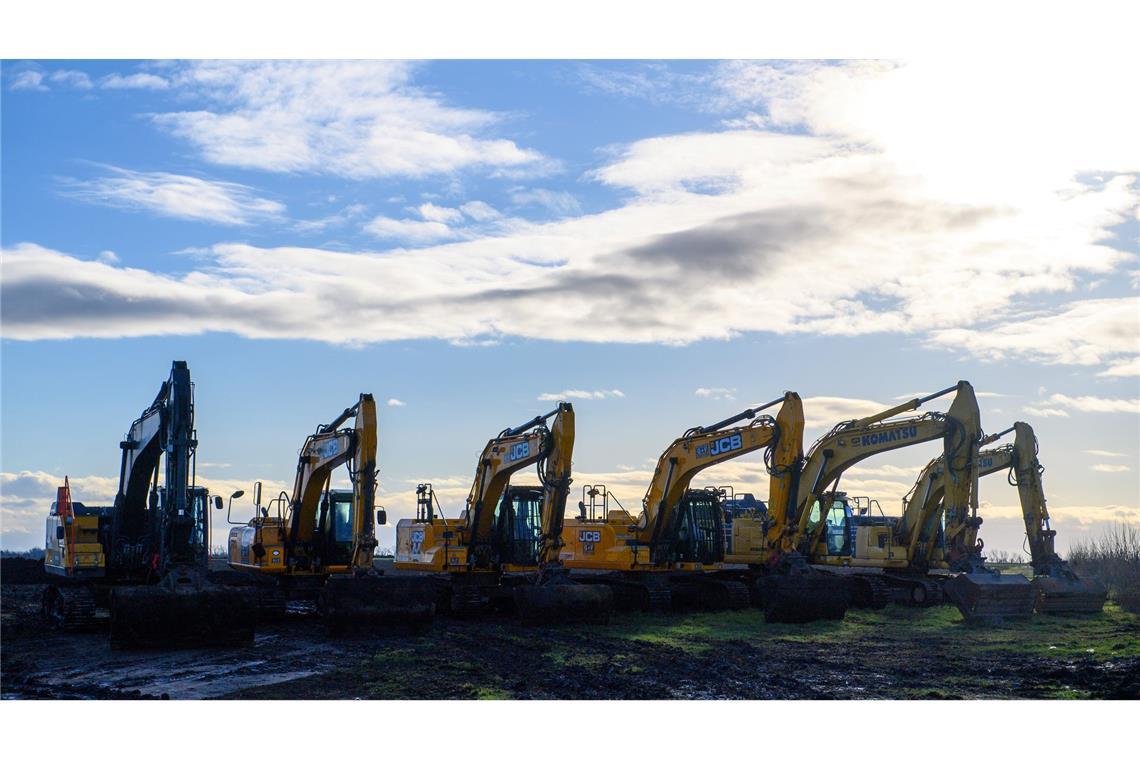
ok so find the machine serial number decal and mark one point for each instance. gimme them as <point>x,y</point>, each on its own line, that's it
<point>720,446</point>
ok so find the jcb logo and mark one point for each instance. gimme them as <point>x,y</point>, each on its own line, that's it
<point>518,451</point>
<point>589,536</point>
<point>721,446</point>
<point>986,462</point>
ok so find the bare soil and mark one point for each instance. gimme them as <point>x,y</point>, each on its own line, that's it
<point>892,653</point>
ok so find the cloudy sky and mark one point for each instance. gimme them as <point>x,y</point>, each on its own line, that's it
<point>661,243</point>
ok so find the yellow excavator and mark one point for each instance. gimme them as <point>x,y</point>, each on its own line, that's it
<point>317,542</point>
<point>503,550</point>
<point>1058,588</point>
<point>142,564</point>
<point>879,552</point>
<point>673,555</point>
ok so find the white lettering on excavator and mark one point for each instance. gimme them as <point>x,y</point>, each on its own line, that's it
<point>885,436</point>
<point>589,536</point>
<point>417,541</point>
<point>720,446</point>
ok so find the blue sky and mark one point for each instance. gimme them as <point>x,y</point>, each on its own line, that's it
<point>660,242</point>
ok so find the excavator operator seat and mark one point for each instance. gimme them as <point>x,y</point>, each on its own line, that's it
<point>518,524</point>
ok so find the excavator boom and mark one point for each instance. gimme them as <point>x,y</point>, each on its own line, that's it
<point>1058,588</point>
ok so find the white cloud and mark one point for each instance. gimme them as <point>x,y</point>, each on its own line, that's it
<point>1044,411</point>
<point>139,81</point>
<point>1103,453</point>
<point>580,394</point>
<point>409,230</point>
<point>1112,468</point>
<point>722,217</point>
<point>1093,404</point>
<point>434,213</point>
<point>107,257</point>
<point>1086,332</point>
<point>556,201</point>
<point>72,78</point>
<point>1123,368</point>
<point>479,211</point>
<point>395,402</point>
<point>355,119</point>
<point>332,220</point>
<point>28,79</point>
<point>828,411</point>
<point>175,195</point>
<point>720,394</point>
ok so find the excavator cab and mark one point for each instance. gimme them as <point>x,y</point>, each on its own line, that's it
<point>334,529</point>
<point>699,537</point>
<point>518,525</point>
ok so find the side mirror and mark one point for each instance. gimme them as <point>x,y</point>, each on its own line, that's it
<point>257,494</point>
<point>218,502</point>
<point>59,533</point>
<point>381,516</point>
<point>237,494</point>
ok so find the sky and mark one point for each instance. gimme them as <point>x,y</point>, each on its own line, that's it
<point>662,243</point>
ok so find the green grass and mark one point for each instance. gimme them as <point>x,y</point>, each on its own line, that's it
<point>488,692</point>
<point>1054,636</point>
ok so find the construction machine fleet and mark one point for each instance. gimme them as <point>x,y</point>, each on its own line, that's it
<point>673,554</point>
<point>1057,587</point>
<point>806,554</point>
<point>143,562</point>
<point>503,550</point>
<point>317,542</point>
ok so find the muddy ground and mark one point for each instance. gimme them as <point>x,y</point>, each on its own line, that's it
<point>893,653</point>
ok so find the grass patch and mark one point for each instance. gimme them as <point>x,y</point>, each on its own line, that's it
<point>488,692</point>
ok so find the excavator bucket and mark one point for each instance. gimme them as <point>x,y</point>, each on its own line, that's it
<point>377,603</point>
<point>552,603</point>
<point>154,617</point>
<point>804,598</point>
<point>985,597</point>
<point>1069,594</point>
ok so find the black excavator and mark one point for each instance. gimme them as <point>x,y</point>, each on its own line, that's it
<point>145,559</point>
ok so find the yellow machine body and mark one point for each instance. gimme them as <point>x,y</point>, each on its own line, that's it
<point>78,554</point>
<point>618,541</point>
<point>473,542</point>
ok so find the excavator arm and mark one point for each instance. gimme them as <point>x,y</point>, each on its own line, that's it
<point>696,450</point>
<point>1060,589</point>
<point>328,448</point>
<point>852,442</point>
<point>138,469</point>
<point>554,472</point>
<point>530,443</point>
